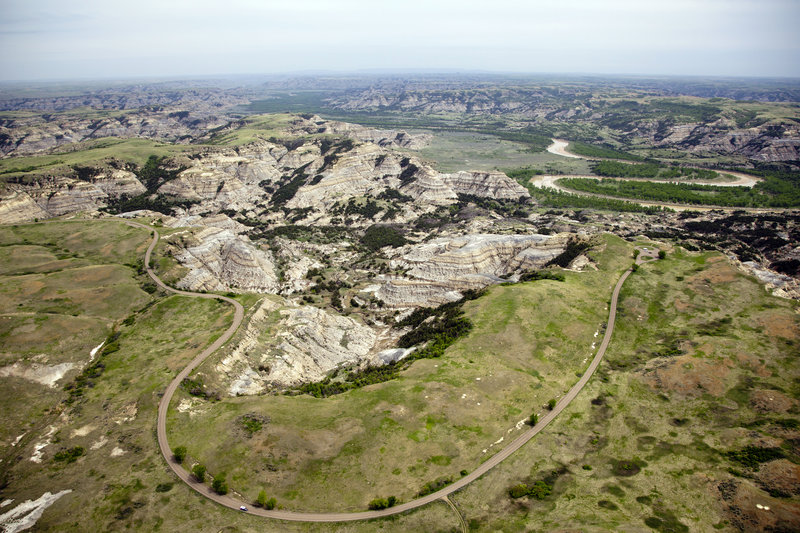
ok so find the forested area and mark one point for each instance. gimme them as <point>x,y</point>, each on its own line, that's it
<point>590,150</point>
<point>771,193</point>
<point>616,169</point>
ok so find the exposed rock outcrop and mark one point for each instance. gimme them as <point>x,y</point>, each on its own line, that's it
<point>439,270</point>
<point>305,344</point>
<point>402,139</point>
<point>20,207</point>
<point>485,184</point>
<point>49,197</point>
<point>222,260</point>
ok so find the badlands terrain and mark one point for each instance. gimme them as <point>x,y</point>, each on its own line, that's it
<point>404,280</point>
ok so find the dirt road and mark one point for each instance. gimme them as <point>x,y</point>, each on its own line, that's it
<point>559,147</point>
<point>233,503</point>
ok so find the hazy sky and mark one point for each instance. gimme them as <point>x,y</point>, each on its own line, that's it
<point>57,39</point>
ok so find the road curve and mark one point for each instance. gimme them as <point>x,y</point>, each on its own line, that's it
<point>559,147</point>
<point>233,503</point>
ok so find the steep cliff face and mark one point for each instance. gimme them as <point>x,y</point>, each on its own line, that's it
<point>485,184</point>
<point>437,271</point>
<point>366,170</point>
<point>768,142</point>
<point>19,206</point>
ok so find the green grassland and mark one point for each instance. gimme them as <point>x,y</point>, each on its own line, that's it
<point>120,481</point>
<point>248,130</point>
<point>696,345</point>
<point>135,151</point>
<point>528,342</point>
<point>63,287</point>
<point>453,151</point>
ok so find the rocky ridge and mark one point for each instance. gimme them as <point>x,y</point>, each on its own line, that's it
<point>27,135</point>
<point>437,271</point>
<point>221,260</point>
<point>385,138</point>
<point>285,345</point>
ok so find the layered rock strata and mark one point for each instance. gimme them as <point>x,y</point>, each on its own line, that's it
<point>302,344</point>
<point>438,271</point>
<point>220,260</point>
<point>402,139</point>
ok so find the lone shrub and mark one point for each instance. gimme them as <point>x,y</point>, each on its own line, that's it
<point>518,491</point>
<point>199,472</point>
<point>219,485</point>
<point>69,456</point>
<point>539,490</point>
<point>179,453</point>
<point>378,503</point>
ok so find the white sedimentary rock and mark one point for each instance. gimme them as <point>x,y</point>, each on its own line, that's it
<point>222,260</point>
<point>440,269</point>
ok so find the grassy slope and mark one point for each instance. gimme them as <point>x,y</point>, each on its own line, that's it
<point>529,341</point>
<point>113,490</point>
<point>522,352</point>
<point>134,150</point>
<point>676,414</point>
<point>62,287</point>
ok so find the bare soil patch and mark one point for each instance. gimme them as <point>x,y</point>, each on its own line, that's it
<point>637,307</point>
<point>770,401</point>
<point>682,305</point>
<point>689,376</point>
<point>781,476</point>
<point>754,364</point>
<point>749,509</point>
<point>780,325</point>
<point>717,271</point>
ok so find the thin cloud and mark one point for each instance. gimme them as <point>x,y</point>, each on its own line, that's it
<point>50,39</point>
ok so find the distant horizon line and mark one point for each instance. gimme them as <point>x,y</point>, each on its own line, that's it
<point>375,72</point>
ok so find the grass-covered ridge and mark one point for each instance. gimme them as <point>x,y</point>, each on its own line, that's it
<point>527,343</point>
<point>677,418</point>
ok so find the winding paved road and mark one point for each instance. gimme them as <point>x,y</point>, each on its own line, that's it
<point>442,494</point>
